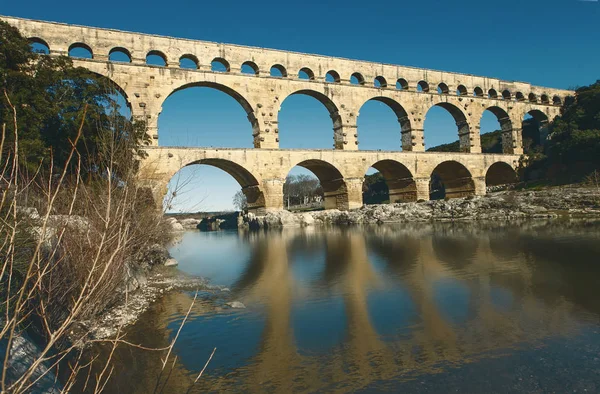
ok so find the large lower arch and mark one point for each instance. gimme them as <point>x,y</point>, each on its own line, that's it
<point>403,119</point>
<point>246,106</point>
<point>508,140</point>
<point>400,181</point>
<point>335,189</point>
<point>248,182</point>
<point>500,173</point>
<point>464,131</point>
<point>331,107</point>
<point>454,178</point>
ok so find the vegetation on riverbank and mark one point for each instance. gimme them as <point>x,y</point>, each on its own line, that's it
<point>77,233</point>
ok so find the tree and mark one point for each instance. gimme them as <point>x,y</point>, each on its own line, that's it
<point>50,96</point>
<point>240,202</point>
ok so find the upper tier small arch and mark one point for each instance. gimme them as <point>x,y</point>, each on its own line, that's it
<point>81,50</point>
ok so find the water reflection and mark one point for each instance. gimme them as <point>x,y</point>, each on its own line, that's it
<point>373,308</point>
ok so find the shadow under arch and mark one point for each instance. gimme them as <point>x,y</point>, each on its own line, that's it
<point>332,181</point>
<point>250,185</point>
<point>535,129</point>
<point>454,178</point>
<point>461,123</point>
<point>508,144</point>
<point>400,181</point>
<point>331,107</point>
<point>233,94</point>
<point>403,119</point>
<point>500,173</point>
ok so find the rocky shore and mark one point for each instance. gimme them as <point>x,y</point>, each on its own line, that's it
<point>505,205</point>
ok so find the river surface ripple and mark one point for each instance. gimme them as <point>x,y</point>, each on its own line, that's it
<point>406,308</point>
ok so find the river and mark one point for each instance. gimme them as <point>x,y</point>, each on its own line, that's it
<point>467,308</point>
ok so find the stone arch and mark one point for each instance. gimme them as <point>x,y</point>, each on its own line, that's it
<point>40,41</point>
<point>556,100</point>
<point>278,69</point>
<point>249,67</point>
<point>464,130</point>
<point>400,181</point>
<point>493,94</point>
<point>500,173</point>
<point>219,64</point>
<point>532,98</point>
<point>443,88</point>
<point>235,95</point>
<point>332,76</point>
<point>81,45</point>
<point>506,95</point>
<point>116,86</point>
<point>403,119</point>
<point>380,82</point>
<point>461,90</point>
<point>402,84</point>
<point>478,92</point>
<point>535,130</point>
<point>328,103</point>
<point>506,126</point>
<point>358,77</point>
<point>191,58</point>
<point>159,54</point>
<point>310,75</point>
<point>519,96</point>
<point>119,50</point>
<point>332,181</point>
<point>422,86</point>
<point>455,179</point>
<point>544,99</point>
<point>250,184</point>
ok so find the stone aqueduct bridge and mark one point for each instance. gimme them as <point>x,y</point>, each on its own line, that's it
<point>341,85</point>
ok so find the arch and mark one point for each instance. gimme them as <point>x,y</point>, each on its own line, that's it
<point>519,96</point>
<point>232,93</point>
<point>461,90</point>
<point>443,88</point>
<point>556,100</point>
<point>461,123</point>
<point>532,98</point>
<point>119,54</point>
<point>332,181</point>
<point>219,64</point>
<point>156,58</point>
<point>403,119</point>
<point>38,45</point>
<point>506,95</point>
<point>454,180</point>
<point>399,180</point>
<point>189,61</point>
<point>422,86</point>
<point>332,76</point>
<point>80,50</point>
<point>357,79</point>
<point>544,99</point>
<point>500,173</point>
<point>380,82</point>
<point>534,130</point>
<point>402,84</point>
<point>506,126</point>
<point>249,67</point>
<point>331,107</point>
<point>306,73</point>
<point>277,70</point>
<point>478,92</point>
<point>115,86</point>
<point>493,94</point>
<point>248,182</point>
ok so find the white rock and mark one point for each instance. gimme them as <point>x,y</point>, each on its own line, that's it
<point>176,226</point>
<point>236,305</point>
<point>171,262</point>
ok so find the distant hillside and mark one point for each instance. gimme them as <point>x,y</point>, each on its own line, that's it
<point>490,143</point>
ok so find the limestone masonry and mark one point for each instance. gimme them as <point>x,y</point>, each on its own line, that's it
<point>342,85</point>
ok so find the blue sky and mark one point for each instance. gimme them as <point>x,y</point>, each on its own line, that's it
<point>550,43</point>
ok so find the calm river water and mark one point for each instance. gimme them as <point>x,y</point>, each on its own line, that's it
<point>465,308</point>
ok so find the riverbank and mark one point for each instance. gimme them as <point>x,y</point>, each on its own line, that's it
<point>567,201</point>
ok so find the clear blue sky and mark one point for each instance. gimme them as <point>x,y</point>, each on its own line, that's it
<point>550,43</point>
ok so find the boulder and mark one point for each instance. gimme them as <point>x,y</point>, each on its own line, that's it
<point>171,262</point>
<point>236,305</point>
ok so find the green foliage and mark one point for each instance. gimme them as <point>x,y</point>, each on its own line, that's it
<point>490,143</point>
<point>49,96</point>
<point>375,189</point>
<point>573,149</point>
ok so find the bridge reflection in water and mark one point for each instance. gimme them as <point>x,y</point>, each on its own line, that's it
<point>352,309</point>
